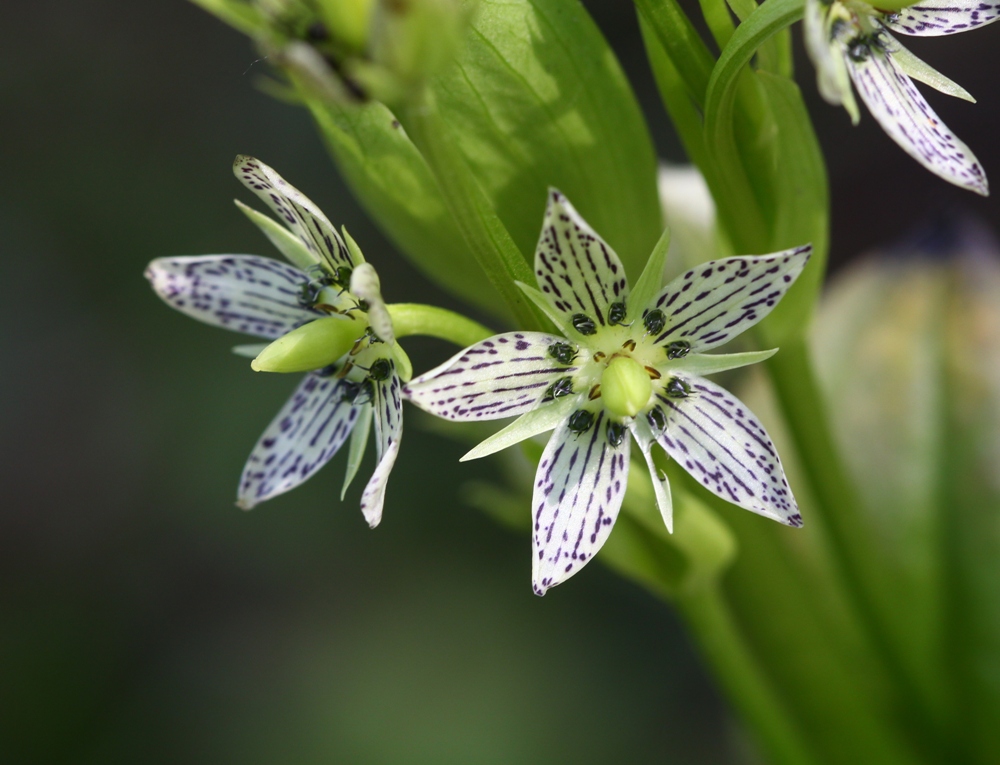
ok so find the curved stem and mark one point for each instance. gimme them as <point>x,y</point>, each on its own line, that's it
<point>417,319</point>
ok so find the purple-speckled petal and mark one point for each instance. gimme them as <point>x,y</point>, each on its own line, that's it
<point>713,436</point>
<point>579,486</point>
<point>903,113</point>
<point>711,304</point>
<point>244,293</point>
<point>295,210</point>
<point>387,404</point>
<point>576,270</point>
<point>933,19</point>
<point>504,376</point>
<point>310,428</point>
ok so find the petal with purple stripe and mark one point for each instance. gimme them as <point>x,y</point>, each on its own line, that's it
<point>310,428</point>
<point>576,270</point>
<point>713,436</point>
<point>933,19</point>
<point>387,404</point>
<point>714,302</point>
<point>295,210</point>
<point>579,486</point>
<point>244,293</point>
<point>503,376</point>
<point>908,119</point>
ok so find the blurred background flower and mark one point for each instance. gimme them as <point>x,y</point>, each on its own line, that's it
<point>143,616</point>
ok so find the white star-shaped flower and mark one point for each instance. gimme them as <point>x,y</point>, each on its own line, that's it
<point>849,40</point>
<point>630,365</point>
<point>325,316</point>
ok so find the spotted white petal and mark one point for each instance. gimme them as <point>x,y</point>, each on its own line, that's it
<point>903,113</point>
<point>244,293</point>
<point>540,420</point>
<point>387,404</point>
<point>713,436</point>
<point>579,486</point>
<point>310,428</point>
<point>661,484</point>
<point>284,240</point>
<point>576,269</point>
<point>714,302</point>
<point>365,284</point>
<point>503,376</point>
<point>295,210</point>
<point>831,71</point>
<point>933,19</point>
<point>921,71</point>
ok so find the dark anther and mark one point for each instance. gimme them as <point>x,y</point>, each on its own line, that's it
<point>372,337</point>
<point>343,276</point>
<point>564,353</point>
<point>657,420</point>
<point>310,292</point>
<point>583,324</point>
<point>558,389</point>
<point>654,321</point>
<point>859,49</point>
<point>580,421</point>
<point>616,434</point>
<point>616,313</point>
<point>380,370</point>
<point>363,305</point>
<point>678,349</point>
<point>677,388</point>
<point>356,393</point>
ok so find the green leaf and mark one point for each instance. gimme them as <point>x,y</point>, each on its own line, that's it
<point>538,99</point>
<point>392,181</point>
<point>802,207</point>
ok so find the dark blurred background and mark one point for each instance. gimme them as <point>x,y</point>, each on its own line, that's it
<point>143,618</point>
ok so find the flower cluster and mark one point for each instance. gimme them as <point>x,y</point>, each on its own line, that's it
<point>325,316</point>
<point>629,364</point>
<point>851,41</point>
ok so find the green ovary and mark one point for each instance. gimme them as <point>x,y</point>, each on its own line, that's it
<point>625,387</point>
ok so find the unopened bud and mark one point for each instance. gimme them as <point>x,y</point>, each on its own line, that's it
<point>311,346</point>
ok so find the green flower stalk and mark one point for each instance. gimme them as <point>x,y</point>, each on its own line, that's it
<point>851,40</point>
<point>326,317</point>
<point>630,364</point>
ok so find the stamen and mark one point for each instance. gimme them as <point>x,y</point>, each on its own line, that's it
<point>616,433</point>
<point>595,392</point>
<point>583,324</point>
<point>653,373</point>
<point>580,421</point>
<point>629,345</point>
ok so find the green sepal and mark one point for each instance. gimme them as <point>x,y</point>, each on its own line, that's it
<point>713,363</point>
<point>249,350</point>
<point>651,281</point>
<point>543,305</point>
<point>404,367</point>
<point>356,450</point>
<point>352,247</point>
<point>923,72</point>
<point>284,240</point>
<point>537,421</point>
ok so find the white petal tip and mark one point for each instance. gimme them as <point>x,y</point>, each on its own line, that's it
<point>795,521</point>
<point>245,503</point>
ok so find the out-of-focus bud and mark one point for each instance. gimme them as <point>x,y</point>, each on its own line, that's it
<point>689,212</point>
<point>312,346</point>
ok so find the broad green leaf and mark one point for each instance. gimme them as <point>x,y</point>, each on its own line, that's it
<point>802,213</point>
<point>537,99</point>
<point>392,181</point>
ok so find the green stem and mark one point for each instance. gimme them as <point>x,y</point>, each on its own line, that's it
<point>416,319</point>
<point>488,239</point>
<point>720,640</point>
<point>840,509</point>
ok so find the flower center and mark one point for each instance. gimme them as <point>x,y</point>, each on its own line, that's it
<point>625,387</point>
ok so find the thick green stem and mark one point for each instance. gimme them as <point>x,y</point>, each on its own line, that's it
<point>840,512</point>
<point>416,319</point>
<point>719,638</point>
<point>488,239</point>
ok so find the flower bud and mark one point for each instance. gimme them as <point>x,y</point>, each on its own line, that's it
<point>311,346</point>
<point>625,387</point>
